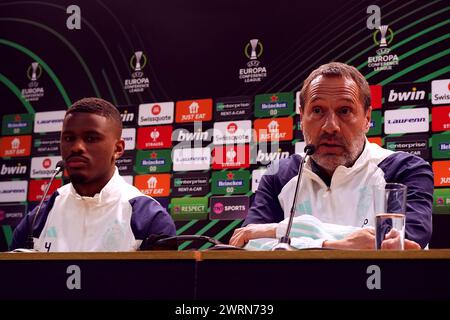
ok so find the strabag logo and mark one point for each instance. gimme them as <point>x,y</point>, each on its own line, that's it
<point>19,146</point>
<point>404,94</point>
<point>230,182</point>
<point>232,132</point>
<point>233,108</point>
<point>189,159</point>
<point>13,191</point>
<point>231,157</point>
<point>276,129</point>
<point>49,121</point>
<point>153,161</point>
<point>229,208</point>
<point>45,144</point>
<point>193,110</point>
<point>138,82</point>
<point>440,91</point>
<point>274,104</point>
<point>17,124</point>
<point>190,183</point>
<point>155,113</point>
<point>43,167</point>
<point>128,115</point>
<point>154,185</point>
<point>154,137</point>
<point>189,208</point>
<point>441,118</point>
<point>255,71</point>
<point>384,59</point>
<point>416,144</point>
<point>34,92</point>
<point>14,168</point>
<point>406,120</point>
<point>37,188</point>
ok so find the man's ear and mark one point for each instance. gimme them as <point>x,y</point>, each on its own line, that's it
<point>368,117</point>
<point>120,148</point>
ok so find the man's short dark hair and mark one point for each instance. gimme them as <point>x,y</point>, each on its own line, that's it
<point>97,106</point>
<point>338,69</point>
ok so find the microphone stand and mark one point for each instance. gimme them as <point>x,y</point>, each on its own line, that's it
<point>285,241</point>
<point>29,243</point>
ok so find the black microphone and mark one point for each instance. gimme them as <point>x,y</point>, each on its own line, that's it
<point>29,244</point>
<point>165,242</point>
<point>285,241</point>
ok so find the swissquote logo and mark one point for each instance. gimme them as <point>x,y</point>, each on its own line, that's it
<point>155,113</point>
<point>440,91</point>
<point>48,121</point>
<point>406,120</point>
<point>43,167</point>
<point>405,94</point>
<point>232,132</point>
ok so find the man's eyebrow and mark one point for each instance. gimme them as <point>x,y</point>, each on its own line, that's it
<point>83,132</point>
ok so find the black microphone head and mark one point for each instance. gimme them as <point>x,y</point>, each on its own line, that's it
<point>310,149</point>
<point>60,164</point>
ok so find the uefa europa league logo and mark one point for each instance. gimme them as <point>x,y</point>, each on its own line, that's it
<point>34,71</point>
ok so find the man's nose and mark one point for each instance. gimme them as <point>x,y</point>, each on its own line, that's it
<point>78,146</point>
<point>331,124</point>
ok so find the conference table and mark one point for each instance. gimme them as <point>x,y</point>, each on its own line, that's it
<point>220,275</point>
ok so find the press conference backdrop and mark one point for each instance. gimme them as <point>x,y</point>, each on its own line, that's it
<point>208,92</point>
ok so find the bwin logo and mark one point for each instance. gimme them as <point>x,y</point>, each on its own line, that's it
<point>18,169</point>
<point>413,95</point>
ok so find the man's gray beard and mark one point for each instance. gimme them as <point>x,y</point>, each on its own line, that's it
<point>347,159</point>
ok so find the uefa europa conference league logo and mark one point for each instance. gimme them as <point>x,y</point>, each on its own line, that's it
<point>34,92</point>
<point>138,82</point>
<point>255,71</point>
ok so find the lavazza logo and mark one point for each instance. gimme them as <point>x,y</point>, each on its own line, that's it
<point>138,82</point>
<point>384,60</point>
<point>255,71</point>
<point>34,92</point>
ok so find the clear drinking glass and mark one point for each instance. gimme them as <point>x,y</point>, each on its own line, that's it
<point>390,208</point>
